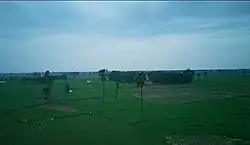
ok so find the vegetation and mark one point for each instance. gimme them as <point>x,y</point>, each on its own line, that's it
<point>140,81</point>
<point>48,79</point>
<point>24,122</point>
<point>161,77</point>
<point>103,75</point>
<point>158,77</point>
<point>123,77</point>
<point>117,91</point>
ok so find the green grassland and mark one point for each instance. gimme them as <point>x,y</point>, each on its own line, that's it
<point>112,122</point>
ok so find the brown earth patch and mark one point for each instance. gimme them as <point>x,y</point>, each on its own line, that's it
<point>182,94</point>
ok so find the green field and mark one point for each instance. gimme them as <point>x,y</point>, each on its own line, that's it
<point>216,105</point>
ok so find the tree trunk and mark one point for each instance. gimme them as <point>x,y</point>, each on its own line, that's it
<point>141,102</point>
<point>117,95</point>
<point>103,91</point>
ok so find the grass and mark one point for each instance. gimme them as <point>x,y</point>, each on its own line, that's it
<point>110,124</point>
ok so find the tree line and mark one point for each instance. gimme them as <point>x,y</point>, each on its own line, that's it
<point>157,77</point>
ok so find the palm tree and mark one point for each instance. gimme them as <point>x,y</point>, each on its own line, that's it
<point>48,78</point>
<point>47,88</point>
<point>103,74</point>
<point>117,91</point>
<point>198,76</point>
<point>46,73</point>
<point>140,81</point>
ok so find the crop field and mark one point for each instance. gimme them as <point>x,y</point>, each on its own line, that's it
<point>212,110</point>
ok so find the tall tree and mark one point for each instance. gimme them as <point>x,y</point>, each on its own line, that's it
<point>198,76</point>
<point>140,81</point>
<point>46,73</point>
<point>48,79</point>
<point>103,75</point>
<point>36,74</point>
<point>47,88</point>
<point>117,91</point>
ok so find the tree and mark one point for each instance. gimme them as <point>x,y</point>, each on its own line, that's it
<point>205,74</point>
<point>74,74</point>
<point>117,91</point>
<point>198,76</point>
<point>36,74</point>
<point>103,75</point>
<point>48,81</point>
<point>140,81</point>
<point>48,78</point>
<point>46,73</point>
<point>188,75</point>
<point>67,87</point>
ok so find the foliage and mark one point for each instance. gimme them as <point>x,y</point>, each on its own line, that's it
<point>161,77</point>
<point>188,75</point>
<point>36,74</point>
<point>140,79</point>
<point>166,77</point>
<point>46,73</point>
<point>103,74</point>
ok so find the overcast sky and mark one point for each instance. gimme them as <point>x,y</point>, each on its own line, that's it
<point>87,36</point>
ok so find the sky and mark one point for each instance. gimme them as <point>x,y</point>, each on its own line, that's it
<point>88,36</point>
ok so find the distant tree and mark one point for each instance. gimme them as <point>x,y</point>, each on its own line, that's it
<point>48,79</point>
<point>65,77</point>
<point>46,91</point>
<point>103,75</point>
<point>188,75</point>
<point>205,74</point>
<point>46,73</point>
<point>74,74</point>
<point>140,81</point>
<point>117,91</point>
<point>67,87</point>
<point>198,76</point>
<point>36,74</point>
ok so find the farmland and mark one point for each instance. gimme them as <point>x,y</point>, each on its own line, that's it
<point>216,105</point>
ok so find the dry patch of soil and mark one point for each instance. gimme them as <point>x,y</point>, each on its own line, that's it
<point>182,94</point>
